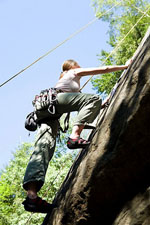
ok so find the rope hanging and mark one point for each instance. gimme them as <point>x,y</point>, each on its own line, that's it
<point>102,64</point>
<point>144,14</point>
<point>30,217</point>
<point>117,45</point>
<point>140,11</point>
<point>61,43</point>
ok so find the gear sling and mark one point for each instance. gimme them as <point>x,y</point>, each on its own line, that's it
<point>45,108</point>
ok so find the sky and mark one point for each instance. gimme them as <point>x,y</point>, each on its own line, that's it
<point>29,29</point>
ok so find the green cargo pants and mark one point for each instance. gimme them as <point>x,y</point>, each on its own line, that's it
<point>43,151</point>
<point>88,107</point>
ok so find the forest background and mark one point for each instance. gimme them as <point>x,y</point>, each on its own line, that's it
<point>117,23</point>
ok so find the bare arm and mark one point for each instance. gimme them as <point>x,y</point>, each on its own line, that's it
<point>99,70</point>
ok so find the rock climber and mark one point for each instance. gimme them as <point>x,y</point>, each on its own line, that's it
<point>69,99</point>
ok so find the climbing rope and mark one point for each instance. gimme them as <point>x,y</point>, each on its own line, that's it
<point>118,45</point>
<point>91,78</point>
<point>61,43</point>
<point>141,11</point>
<point>87,81</point>
<point>122,75</point>
<point>71,36</point>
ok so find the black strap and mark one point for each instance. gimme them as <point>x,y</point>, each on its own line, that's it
<point>66,124</point>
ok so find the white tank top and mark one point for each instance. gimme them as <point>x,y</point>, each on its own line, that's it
<point>70,82</point>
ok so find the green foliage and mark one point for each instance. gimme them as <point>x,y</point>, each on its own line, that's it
<point>12,194</point>
<point>121,19</point>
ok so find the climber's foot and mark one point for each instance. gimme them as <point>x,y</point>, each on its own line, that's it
<point>77,143</point>
<point>38,205</point>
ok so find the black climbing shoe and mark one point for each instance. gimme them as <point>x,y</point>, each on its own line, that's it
<point>77,143</point>
<point>38,205</point>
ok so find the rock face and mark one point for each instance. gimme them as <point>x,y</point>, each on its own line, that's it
<point>136,211</point>
<point>109,181</point>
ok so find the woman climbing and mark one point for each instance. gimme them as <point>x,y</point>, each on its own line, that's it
<point>69,99</point>
<point>87,105</point>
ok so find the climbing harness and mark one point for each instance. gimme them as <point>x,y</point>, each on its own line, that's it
<point>47,99</point>
<point>114,89</point>
<point>45,109</point>
<point>44,103</point>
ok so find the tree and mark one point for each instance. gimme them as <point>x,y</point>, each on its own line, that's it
<point>121,19</point>
<point>11,192</point>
